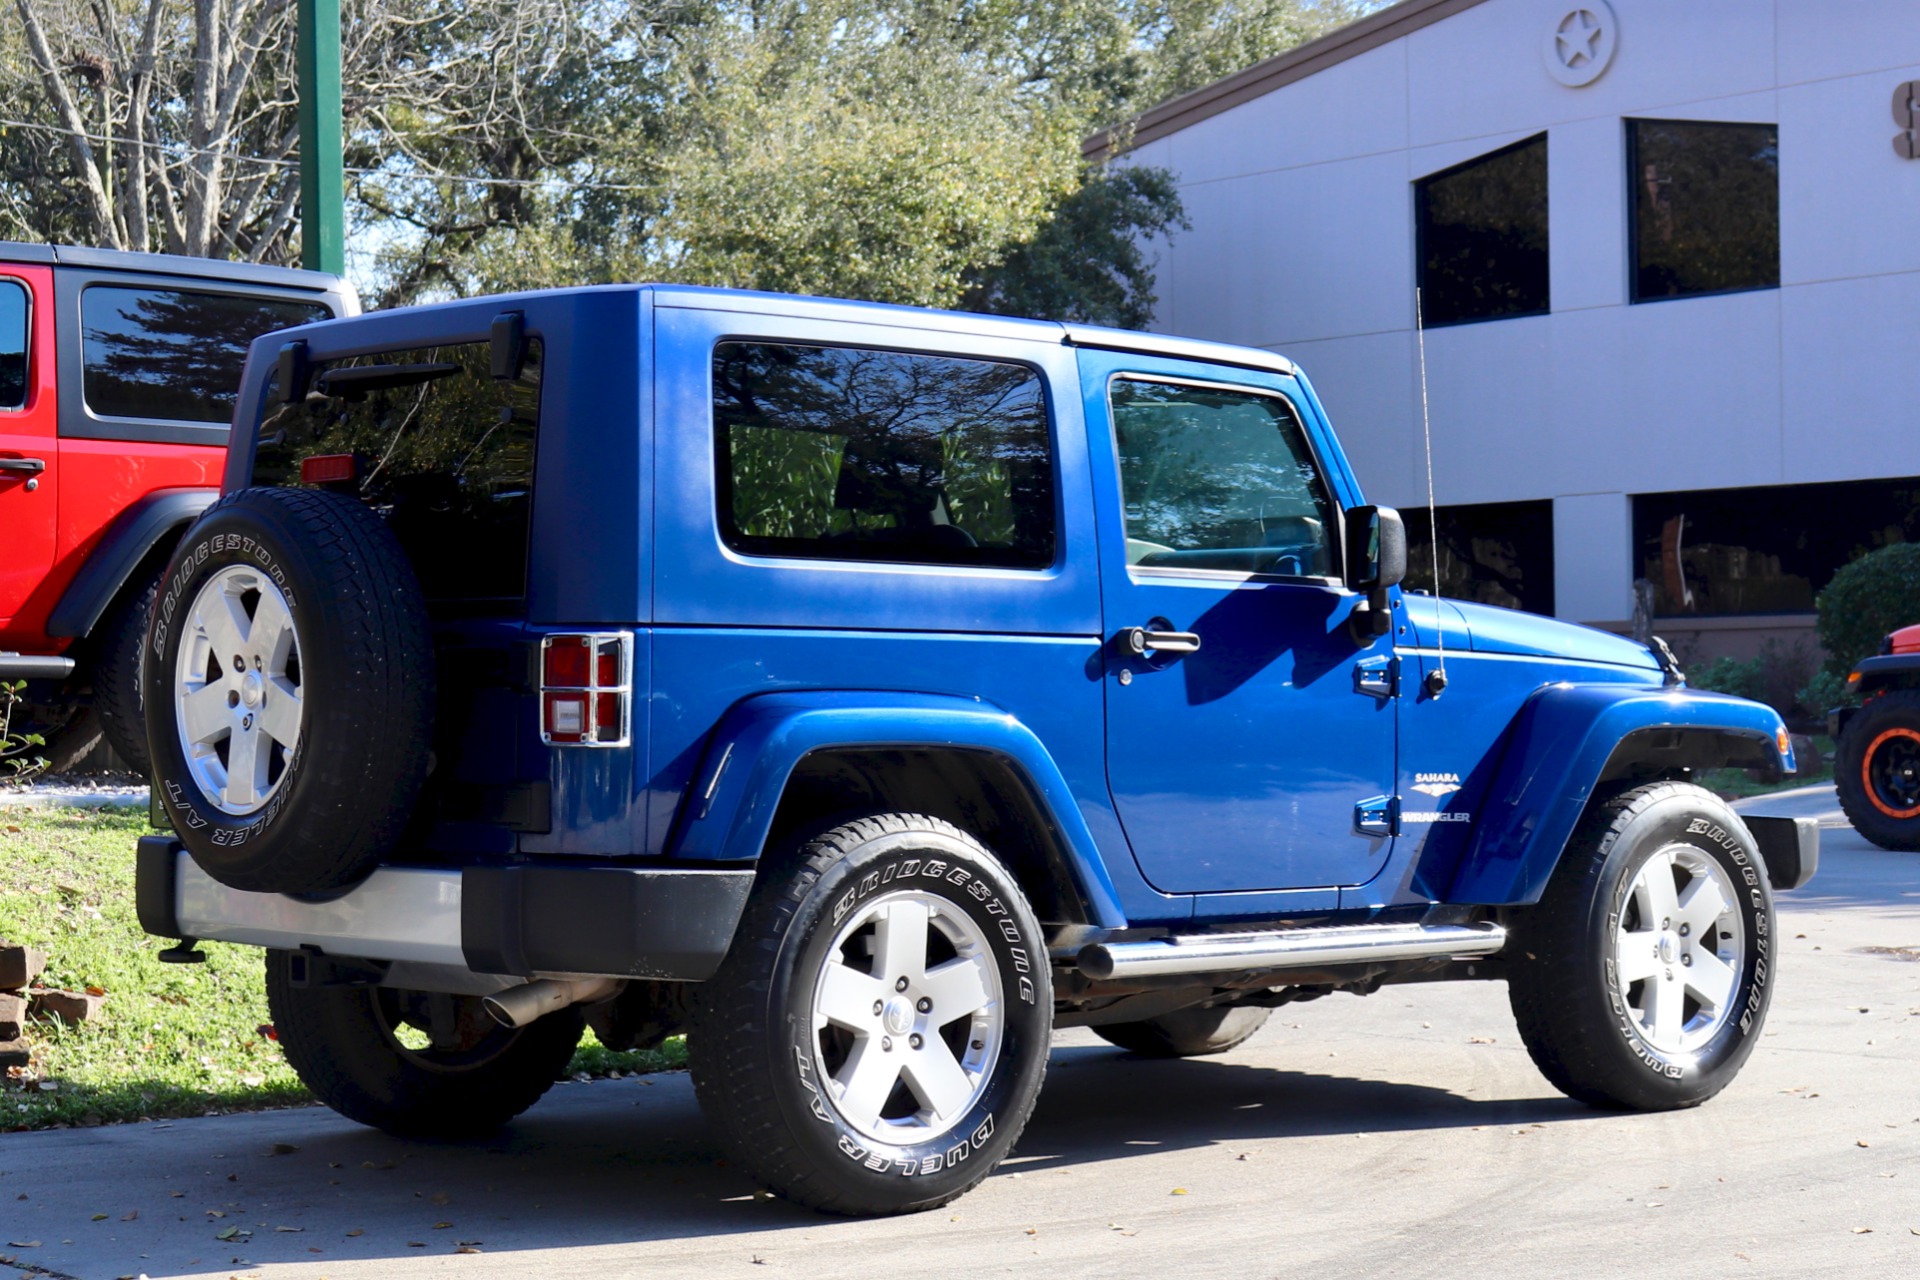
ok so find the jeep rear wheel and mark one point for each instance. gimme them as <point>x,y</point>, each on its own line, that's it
<point>1187,1033</point>
<point>415,1063</point>
<point>1642,977</point>
<point>289,691</point>
<point>1876,769</point>
<point>876,1038</point>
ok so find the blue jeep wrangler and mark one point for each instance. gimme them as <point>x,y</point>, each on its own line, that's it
<point>867,692</point>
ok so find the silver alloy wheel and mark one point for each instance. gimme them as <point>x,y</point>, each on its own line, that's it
<point>1678,949</point>
<point>908,1017</point>
<point>237,689</point>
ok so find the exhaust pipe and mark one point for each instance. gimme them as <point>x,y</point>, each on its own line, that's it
<point>518,1006</point>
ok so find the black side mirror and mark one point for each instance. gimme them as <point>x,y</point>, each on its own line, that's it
<point>1376,559</point>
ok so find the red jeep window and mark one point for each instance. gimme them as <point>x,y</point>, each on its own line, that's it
<point>172,354</point>
<point>13,344</point>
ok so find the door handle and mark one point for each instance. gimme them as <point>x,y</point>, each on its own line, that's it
<point>32,466</point>
<point>1140,641</point>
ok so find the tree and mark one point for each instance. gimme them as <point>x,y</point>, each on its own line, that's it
<point>170,124</point>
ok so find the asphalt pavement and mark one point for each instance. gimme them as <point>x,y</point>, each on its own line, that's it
<point>1404,1134</point>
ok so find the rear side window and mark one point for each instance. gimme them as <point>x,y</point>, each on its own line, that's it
<point>13,344</point>
<point>430,440</point>
<point>1218,478</point>
<point>173,353</point>
<point>853,454</point>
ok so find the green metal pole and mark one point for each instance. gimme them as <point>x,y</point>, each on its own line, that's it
<point>323,232</point>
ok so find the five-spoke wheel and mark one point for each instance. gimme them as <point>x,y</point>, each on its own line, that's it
<point>237,692</point>
<point>877,1035</point>
<point>1641,978</point>
<point>1677,951</point>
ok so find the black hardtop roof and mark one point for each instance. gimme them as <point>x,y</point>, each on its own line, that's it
<point>167,264</point>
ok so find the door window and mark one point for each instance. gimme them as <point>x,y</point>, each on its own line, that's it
<point>13,344</point>
<point>1218,478</point>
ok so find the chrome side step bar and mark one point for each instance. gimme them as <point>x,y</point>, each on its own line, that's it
<point>1288,949</point>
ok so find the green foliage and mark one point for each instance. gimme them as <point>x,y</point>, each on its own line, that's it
<point>1089,261</point>
<point>1729,675</point>
<point>1777,677</point>
<point>1875,594</point>
<point>15,764</point>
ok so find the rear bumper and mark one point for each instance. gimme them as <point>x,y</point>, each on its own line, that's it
<point>530,921</point>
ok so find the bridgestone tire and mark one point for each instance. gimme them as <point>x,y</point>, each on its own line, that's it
<point>333,761</point>
<point>118,648</point>
<point>830,1081</point>
<point>1667,850</point>
<point>347,1044</point>
<point>1187,1033</point>
<point>1876,770</point>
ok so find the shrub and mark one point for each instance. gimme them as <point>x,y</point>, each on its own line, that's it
<point>1878,593</point>
<point>1729,675</point>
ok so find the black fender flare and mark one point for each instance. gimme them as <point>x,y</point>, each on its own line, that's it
<point>133,534</point>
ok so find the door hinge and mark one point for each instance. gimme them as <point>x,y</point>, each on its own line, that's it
<point>1377,676</point>
<point>1377,817</point>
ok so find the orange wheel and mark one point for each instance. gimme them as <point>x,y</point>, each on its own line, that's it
<point>1890,772</point>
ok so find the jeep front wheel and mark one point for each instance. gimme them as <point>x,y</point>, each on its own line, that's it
<point>1876,769</point>
<point>876,1038</point>
<point>1641,979</point>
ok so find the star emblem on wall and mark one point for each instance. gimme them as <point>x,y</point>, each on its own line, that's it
<point>1580,42</point>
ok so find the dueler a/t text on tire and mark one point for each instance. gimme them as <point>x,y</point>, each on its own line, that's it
<point>876,1038</point>
<point>289,690</point>
<point>1642,977</point>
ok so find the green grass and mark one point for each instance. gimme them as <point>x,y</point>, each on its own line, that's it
<point>171,1040</point>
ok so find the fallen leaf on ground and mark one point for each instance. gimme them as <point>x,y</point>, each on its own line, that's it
<point>282,1149</point>
<point>1179,1191</point>
<point>99,1217</point>
<point>129,1215</point>
<point>467,1248</point>
<point>1480,1040</point>
<point>289,1230</point>
<point>1863,1231</point>
<point>358,1231</point>
<point>441,1226</point>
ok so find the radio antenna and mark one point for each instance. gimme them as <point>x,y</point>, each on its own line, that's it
<point>1437,679</point>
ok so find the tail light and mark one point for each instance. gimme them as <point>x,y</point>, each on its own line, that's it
<point>586,689</point>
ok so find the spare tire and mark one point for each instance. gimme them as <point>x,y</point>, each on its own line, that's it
<point>289,690</point>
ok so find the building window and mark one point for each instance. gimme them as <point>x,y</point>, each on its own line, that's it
<point>1482,229</point>
<point>1706,207</point>
<point>843,453</point>
<point>1490,552</point>
<point>1764,550</point>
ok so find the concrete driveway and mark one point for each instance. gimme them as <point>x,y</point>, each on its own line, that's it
<point>1406,1134</point>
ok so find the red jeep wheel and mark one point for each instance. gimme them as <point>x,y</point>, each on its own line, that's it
<point>1877,770</point>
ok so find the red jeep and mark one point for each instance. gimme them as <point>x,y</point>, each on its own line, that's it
<point>1876,766</point>
<point>117,378</point>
